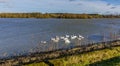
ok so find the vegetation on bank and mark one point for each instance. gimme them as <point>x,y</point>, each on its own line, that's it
<point>86,55</point>
<point>105,57</point>
<point>55,15</point>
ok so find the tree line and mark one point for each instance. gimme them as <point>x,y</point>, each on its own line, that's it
<point>55,15</point>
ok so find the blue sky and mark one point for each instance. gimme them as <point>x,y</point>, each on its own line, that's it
<point>61,6</point>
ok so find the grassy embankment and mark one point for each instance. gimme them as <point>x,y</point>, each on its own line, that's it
<point>97,54</point>
<point>104,57</point>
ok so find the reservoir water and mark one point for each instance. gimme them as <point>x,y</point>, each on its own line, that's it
<point>18,34</point>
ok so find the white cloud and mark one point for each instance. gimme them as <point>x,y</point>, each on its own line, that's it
<point>98,6</point>
<point>3,1</point>
<point>80,6</point>
<point>70,6</point>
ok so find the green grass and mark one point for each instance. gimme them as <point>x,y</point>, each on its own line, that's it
<point>106,57</point>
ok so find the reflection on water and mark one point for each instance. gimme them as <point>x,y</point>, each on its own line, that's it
<point>17,35</point>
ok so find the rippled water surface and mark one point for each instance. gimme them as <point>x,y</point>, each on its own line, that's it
<point>18,34</point>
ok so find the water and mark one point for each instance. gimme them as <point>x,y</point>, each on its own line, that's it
<point>18,34</point>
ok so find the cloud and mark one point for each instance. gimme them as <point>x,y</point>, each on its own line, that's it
<point>5,4</point>
<point>113,7</point>
<point>69,6</point>
<point>3,1</point>
<point>97,6</point>
<point>72,0</point>
<point>108,4</point>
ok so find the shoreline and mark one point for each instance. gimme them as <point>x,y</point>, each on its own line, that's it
<point>60,18</point>
<point>57,15</point>
<point>42,56</point>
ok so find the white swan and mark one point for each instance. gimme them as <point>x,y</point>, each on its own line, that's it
<point>73,37</point>
<point>67,41</point>
<point>44,42</point>
<point>62,37</point>
<point>67,36</point>
<point>56,40</point>
<point>81,36</point>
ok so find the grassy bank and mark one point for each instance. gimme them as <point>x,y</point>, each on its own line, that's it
<point>105,57</point>
<point>86,55</point>
<point>56,15</point>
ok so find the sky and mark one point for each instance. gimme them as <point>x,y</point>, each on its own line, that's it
<point>61,6</point>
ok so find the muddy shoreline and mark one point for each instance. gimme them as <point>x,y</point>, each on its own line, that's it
<point>43,56</point>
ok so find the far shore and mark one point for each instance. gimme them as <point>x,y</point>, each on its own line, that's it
<point>57,15</point>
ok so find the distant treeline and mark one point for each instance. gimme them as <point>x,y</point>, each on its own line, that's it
<point>55,15</point>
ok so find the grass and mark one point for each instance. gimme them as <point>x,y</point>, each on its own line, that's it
<point>105,57</point>
<point>115,61</point>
